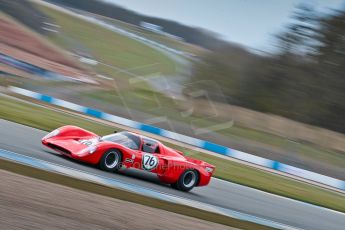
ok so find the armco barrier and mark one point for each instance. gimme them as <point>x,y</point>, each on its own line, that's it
<point>339,184</point>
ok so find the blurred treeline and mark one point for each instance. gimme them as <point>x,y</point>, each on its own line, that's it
<point>304,79</point>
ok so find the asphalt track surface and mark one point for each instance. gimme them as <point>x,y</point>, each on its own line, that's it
<point>26,141</point>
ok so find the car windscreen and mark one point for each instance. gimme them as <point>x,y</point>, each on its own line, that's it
<point>124,138</point>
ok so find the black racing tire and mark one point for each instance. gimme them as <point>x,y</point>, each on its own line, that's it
<point>111,160</point>
<point>187,180</point>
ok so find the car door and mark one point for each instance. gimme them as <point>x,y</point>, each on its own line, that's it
<point>150,157</point>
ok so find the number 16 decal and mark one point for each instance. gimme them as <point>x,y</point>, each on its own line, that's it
<point>149,161</point>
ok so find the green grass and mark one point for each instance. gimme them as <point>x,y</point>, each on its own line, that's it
<point>115,50</point>
<point>306,151</point>
<point>47,119</point>
<point>106,46</point>
<point>141,99</point>
<point>169,42</point>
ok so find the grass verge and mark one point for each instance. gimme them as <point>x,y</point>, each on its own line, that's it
<point>47,119</point>
<point>125,195</point>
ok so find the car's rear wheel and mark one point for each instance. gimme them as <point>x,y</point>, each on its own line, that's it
<point>187,180</point>
<point>111,160</point>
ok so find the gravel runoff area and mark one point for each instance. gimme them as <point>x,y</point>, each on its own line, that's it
<point>27,203</point>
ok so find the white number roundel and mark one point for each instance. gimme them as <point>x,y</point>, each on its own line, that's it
<point>149,161</point>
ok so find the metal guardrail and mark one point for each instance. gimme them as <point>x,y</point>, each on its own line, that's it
<point>213,147</point>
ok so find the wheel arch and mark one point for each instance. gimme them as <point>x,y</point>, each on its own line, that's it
<point>199,176</point>
<point>113,148</point>
<point>106,146</point>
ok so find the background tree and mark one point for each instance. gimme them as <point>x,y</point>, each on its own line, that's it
<point>304,80</point>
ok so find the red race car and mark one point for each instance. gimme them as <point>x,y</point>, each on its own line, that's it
<point>130,150</point>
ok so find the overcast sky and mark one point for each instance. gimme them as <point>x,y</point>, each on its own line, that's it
<point>248,22</point>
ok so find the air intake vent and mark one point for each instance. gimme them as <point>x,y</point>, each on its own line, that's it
<point>58,148</point>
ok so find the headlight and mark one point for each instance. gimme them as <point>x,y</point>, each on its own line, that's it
<point>90,149</point>
<point>51,134</point>
<point>209,169</point>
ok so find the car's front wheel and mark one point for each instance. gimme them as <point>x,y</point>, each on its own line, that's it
<point>111,160</point>
<point>187,180</point>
